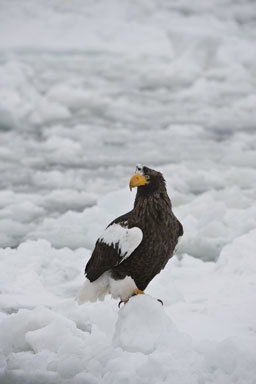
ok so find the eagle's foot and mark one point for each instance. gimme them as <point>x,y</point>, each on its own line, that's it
<point>122,302</point>
<point>137,292</point>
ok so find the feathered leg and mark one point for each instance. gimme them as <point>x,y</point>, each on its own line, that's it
<point>93,291</point>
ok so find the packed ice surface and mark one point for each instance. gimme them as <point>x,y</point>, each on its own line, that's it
<point>204,333</point>
<point>87,90</point>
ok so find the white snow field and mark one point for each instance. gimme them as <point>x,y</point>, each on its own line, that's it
<point>87,90</point>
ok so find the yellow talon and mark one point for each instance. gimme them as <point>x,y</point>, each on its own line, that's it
<point>135,292</point>
<point>138,292</point>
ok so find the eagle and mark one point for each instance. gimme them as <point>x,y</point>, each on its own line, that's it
<point>136,246</point>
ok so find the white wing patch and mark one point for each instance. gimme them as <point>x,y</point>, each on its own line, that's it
<point>126,239</point>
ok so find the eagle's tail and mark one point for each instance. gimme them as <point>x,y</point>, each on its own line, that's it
<point>93,291</point>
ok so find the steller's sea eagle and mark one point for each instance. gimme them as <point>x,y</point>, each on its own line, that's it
<point>136,246</point>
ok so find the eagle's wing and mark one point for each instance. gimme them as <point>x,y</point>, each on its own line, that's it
<point>116,244</point>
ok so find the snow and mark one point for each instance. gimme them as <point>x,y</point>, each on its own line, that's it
<point>87,91</point>
<point>146,317</point>
<point>205,332</point>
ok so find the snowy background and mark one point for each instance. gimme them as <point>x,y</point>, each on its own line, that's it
<point>87,90</point>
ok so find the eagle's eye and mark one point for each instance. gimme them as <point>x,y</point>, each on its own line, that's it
<point>139,169</point>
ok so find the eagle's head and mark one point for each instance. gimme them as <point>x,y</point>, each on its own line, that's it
<point>147,180</point>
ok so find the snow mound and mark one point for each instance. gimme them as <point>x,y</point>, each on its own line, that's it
<point>164,354</point>
<point>142,325</point>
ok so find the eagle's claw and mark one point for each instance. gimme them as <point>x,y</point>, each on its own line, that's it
<point>124,302</point>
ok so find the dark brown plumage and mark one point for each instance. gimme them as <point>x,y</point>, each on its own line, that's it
<point>152,213</point>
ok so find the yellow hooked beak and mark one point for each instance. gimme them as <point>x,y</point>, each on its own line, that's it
<point>137,180</point>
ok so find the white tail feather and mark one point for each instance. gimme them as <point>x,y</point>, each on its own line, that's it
<point>93,291</point>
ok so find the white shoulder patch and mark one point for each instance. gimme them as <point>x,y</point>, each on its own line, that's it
<point>126,239</point>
